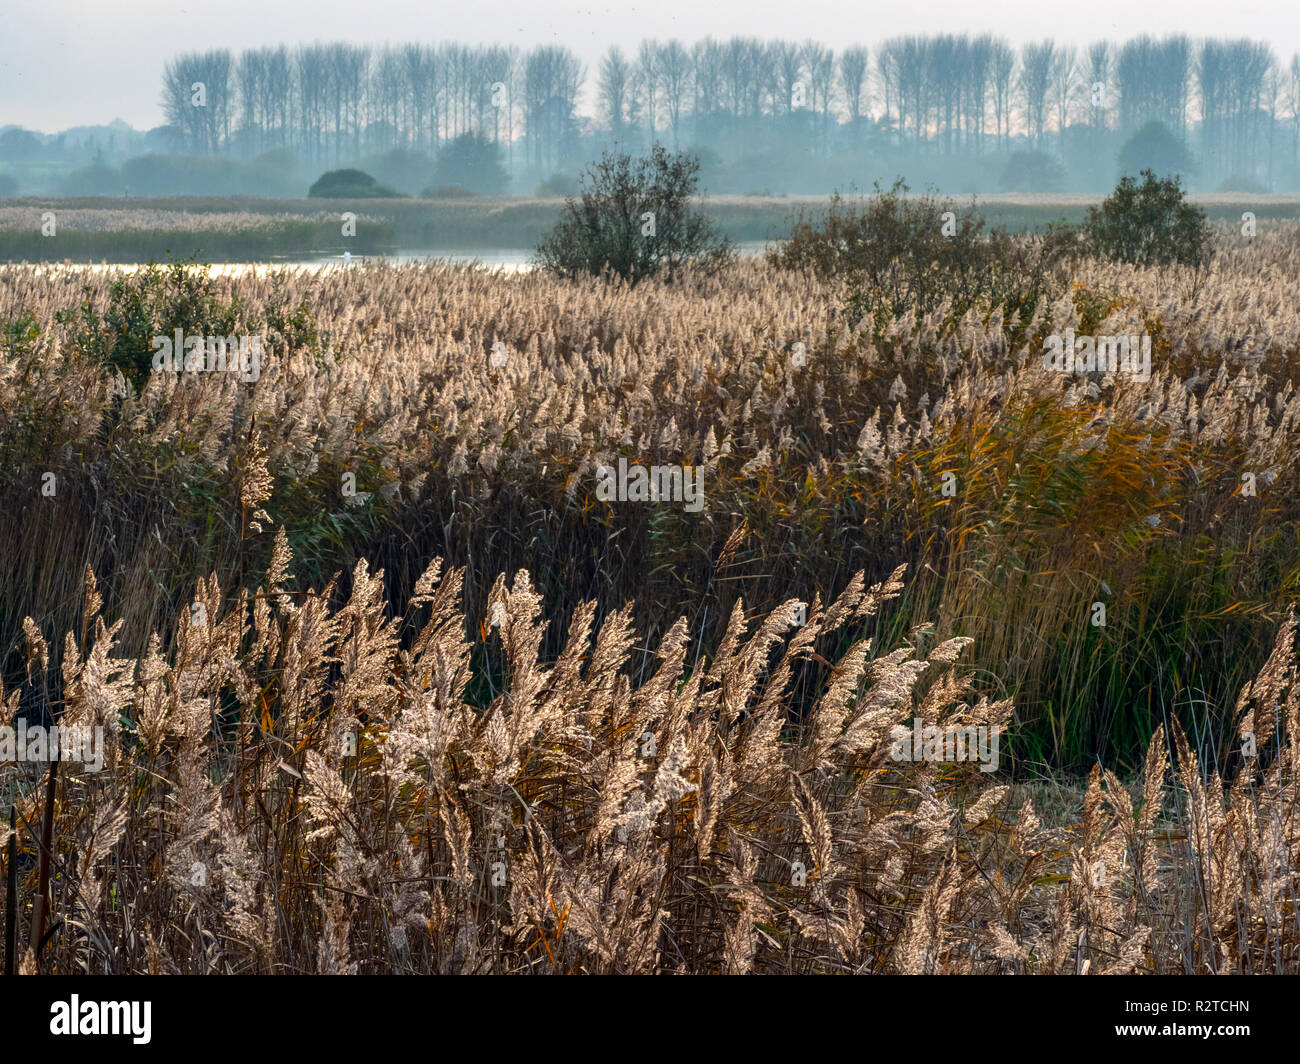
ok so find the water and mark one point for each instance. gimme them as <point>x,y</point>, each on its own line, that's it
<point>503,260</point>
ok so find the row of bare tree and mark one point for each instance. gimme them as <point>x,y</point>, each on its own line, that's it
<point>936,93</point>
<point>334,101</point>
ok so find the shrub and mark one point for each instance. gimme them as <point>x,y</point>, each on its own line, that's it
<point>473,162</point>
<point>150,302</point>
<point>1032,171</point>
<point>98,179</point>
<point>634,218</point>
<point>1150,224</point>
<point>893,252</point>
<point>402,169</point>
<point>1155,147</point>
<point>349,184</point>
<point>21,336</point>
<point>559,185</point>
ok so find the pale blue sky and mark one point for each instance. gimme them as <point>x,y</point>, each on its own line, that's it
<point>74,62</point>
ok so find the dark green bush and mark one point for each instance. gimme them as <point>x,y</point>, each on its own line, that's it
<point>1032,171</point>
<point>1155,147</point>
<point>902,254</point>
<point>473,162</point>
<point>622,199</point>
<point>1150,224</point>
<point>20,336</point>
<point>350,184</point>
<point>156,301</point>
<point>153,301</point>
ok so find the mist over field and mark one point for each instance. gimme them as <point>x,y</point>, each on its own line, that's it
<point>963,112</point>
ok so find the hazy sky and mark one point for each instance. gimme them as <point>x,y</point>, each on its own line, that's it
<point>81,62</point>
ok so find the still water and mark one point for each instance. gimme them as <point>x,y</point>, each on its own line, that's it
<point>505,260</point>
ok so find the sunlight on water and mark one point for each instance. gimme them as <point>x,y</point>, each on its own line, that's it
<point>504,260</point>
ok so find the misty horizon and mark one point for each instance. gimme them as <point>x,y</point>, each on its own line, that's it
<point>959,112</point>
<point>65,65</point>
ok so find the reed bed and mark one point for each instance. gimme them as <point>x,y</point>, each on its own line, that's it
<point>131,235</point>
<point>116,220</point>
<point>587,737</point>
<point>306,789</point>
<point>1068,490</point>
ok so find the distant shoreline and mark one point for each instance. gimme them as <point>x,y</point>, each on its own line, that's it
<point>127,230</point>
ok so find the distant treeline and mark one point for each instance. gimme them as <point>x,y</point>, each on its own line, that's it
<point>230,229</point>
<point>1233,101</point>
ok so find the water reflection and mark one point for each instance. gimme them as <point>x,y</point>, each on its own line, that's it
<point>503,260</point>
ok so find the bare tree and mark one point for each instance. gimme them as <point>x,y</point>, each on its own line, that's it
<point>178,76</point>
<point>647,62</point>
<point>1098,74</point>
<point>708,62</point>
<point>1064,84</point>
<point>1232,77</point>
<point>785,60</point>
<point>853,84</point>
<point>279,88</point>
<point>903,62</point>
<point>348,67</point>
<point>1003,68</point>
<point>820,64</point>
<point>614,87</point>
<point>311,70</point>
<point>938,92</point>
<point>738,72</point>
<point>675,80</point>
<point>1293,99</point>
<point>197,98</point>
<point>945,74</point>
<point>887,72</point>
<point>979,73</point>
<point>250,76</point>
<point>385,98</point>
<point>1035,78</point>
<point>1152,77</point>
<point>552,78</point>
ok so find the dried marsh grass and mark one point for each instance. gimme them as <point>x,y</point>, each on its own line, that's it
<point>1068,490</point>
<point>305,788</point>
<point>588,738</point>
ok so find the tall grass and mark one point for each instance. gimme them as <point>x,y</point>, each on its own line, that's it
<point>1068,491</point>
<point>338,766</point>
<point>126,236</point>
<point>300,787</point>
